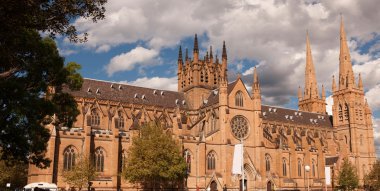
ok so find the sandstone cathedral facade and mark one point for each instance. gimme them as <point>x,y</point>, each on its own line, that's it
<point>209,115</point>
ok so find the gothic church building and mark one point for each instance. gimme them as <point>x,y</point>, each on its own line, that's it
<point>208,115</point>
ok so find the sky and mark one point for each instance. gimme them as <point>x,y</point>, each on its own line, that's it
<point>137,43</point>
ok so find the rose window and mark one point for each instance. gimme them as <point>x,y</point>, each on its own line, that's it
<point>239,127</point>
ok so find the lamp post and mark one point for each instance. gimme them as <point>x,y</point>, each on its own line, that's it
<point>307,169</point>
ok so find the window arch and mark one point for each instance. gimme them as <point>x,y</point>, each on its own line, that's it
<point>299,167</point>
<point>284,172</point>
<point>239,99</point>
<point>187,156</point>
<point>95,118</point>
<point>313,168</point>
<point>119,121</point>
<point>99,159</point>
<point>211,156</point>
<point>267,162</point>
<point>69,156</point>
<point>346,112</point>
<point>340,113</point>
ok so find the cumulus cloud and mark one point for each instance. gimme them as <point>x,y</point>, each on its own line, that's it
<point>127,61</point>
<point>373,98</point>
<point>270,31</point>
<point>376,127</point>
<point>161,83</point>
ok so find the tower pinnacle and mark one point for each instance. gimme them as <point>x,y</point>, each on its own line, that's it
<point>180,54</point>
<point>224,54</point>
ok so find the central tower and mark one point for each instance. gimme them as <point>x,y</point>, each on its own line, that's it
<point>197,77</point>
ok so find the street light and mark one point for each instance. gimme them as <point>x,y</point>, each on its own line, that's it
<point>307,169</point>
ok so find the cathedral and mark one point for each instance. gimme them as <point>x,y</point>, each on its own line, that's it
<point>284,149</point>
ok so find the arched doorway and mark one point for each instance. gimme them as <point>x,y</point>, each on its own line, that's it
<point>269,186</point>
<point>214,186</point>
<point>245,185</point>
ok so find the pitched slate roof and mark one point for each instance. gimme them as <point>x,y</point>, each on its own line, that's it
<point>124,93</point>
<point>278,114</point>
<point>213,98</point>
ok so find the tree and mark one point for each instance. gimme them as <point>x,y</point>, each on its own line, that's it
<point>347,178</point>
<point>81,174</point>
<point>30,66</point>
<point>372,179</point>
<point>154,158</point>
<point>14,172</point>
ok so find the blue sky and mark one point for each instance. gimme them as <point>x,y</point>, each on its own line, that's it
<point>137,43</point>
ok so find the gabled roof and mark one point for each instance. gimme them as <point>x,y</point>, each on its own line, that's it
<point>213,98</point>
<point>278,114</point>
<point>124,93</point>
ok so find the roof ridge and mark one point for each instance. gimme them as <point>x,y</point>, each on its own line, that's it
<point>294,109</point>
<point>121,83</point>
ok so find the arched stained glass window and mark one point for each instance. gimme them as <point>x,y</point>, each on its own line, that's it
<point>299,167</point>
<point>284,172</point>
<point>239,99</point>
<point>211,160</point>
<point>95,118</point>
<point>69,158</point>
<point>267,162</point>
<point>187,156</point>
<point>99,159</point>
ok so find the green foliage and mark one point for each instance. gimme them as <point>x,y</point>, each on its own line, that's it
<point>154,158</point>
<point>14,172</point>
<point>50,16</point>
<point>83,172</point>
<point>31,65</point>
<point>372,179</point>
<point>347,178</point>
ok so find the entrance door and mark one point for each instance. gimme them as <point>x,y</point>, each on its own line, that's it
<point>269,186</point>
<point>214,186</point>
<point>245,185</point>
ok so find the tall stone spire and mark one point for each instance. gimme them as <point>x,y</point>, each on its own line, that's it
<point>299,93</point>
<point>195,50</point>
<point>311,89</point>
<point>311,100</point>
<point>180,61</point>
<point>346,75</point>
<point>180,54</point>
<point>256,92</point>
<point>333,84</point>
<point>323,92</point>
<point>224,54</point>
<point>360,82</point>
<point>224,62</point>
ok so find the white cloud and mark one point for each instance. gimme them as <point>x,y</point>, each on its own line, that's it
<point>127,61</point>
<point>373,98</point>
<point>329,102</point>
<point>66,52</point>
<point>376,127</point>
<point>161,83</point>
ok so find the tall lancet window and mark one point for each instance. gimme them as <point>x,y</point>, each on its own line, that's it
<point>69,158</point>
<point>313,168</point>
<point>239,99</point>
<point>299,167</point>
<point>346,112</point>
<point>284,172</point>
<point>119,121</point>
<point>99,159</point>
<point>267,162</point>
<point>94,118</point>
<point>211,160</point>
<point>340,114</point>
<point>187,156</point>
